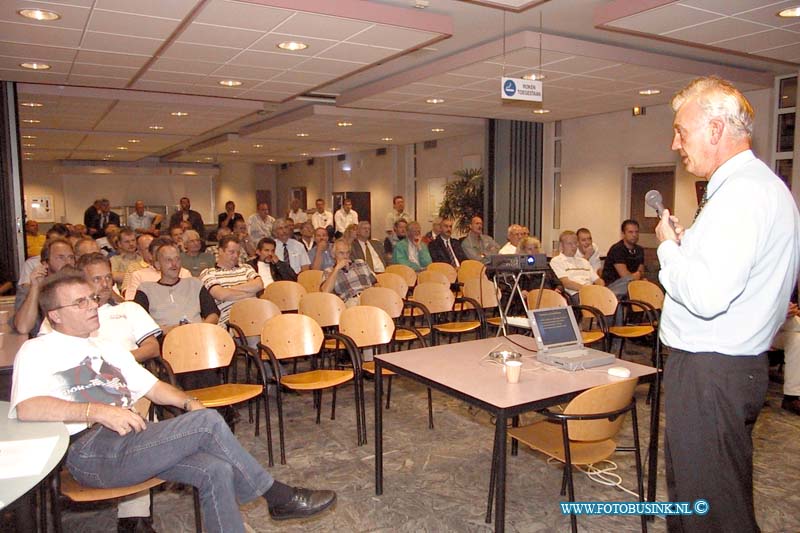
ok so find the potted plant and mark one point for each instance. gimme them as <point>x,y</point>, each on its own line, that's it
<point>463,198</point>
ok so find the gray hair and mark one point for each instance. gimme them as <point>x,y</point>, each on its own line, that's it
<point>718,98</point>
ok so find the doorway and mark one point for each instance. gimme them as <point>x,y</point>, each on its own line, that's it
<point>661,179</point>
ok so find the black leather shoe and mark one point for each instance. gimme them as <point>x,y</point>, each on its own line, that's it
<point>792,405</point>
<point>135,524</point>
<point>304,503</point>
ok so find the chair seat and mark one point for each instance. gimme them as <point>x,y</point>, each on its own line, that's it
<point>631,331</point>
<point>403,335</point>
<point>79,493</point>
<point>495,321</point>
<point>546,437</point>
<point>226,394</point>
<point>317,379</point>
<point>369,367</point>
<point>333,344</point>
<point>458,327</point>
<point>591,336</point>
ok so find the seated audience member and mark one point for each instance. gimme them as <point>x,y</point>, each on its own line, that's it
<point>321,217</point>
<point>108,243</point>
<point>514,236</point>
<point>398,212</point>
<point>532,246</point>
<point>366,248</point>
<point>173,300</point>
<point>186,214</point>
<point>57,231</point>
<point>105,217</point>
<point>288,249</point>
<point>85,245</point>
<point>143,251</point>
<point>347,279</point>
<point>349,234</point>
<point>142,221</point>
<point>92,385</point>
<point>259,225</point>
<point>150,273</point>
<point>56,255</point>
<point>193,258</point>
<point>248,245</point>
<point>34,241</point>
<point>624,260</point>
<point>176,234</point>
<point>476,245</point>
<point>400,232</point>
<point>446,249</point>
<point>214,248</point>
<point>229,217</point>
<point>229,280</point>
<point>573,272</point>
<point>436,229</point>
<point>91,218</point>
<point>126,246</point>
<point>268,266</point>
<point>588,250</point>
<point>411,251</point>
<point>298,216</point>
<point>78,230</point>
<point>307,236</point>
<point>344,217</point>
<point>320,255</point>
<point>788,340</point>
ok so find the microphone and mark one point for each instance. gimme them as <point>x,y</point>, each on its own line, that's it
<point>653,199</point>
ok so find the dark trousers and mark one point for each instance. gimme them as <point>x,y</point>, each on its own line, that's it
<point>711,404</point>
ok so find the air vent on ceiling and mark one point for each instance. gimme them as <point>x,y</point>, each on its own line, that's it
<point>341,157</point>
<point>380,151</point>
<point>429,145</point>
<point>284,166</point>
<point>310,162</point>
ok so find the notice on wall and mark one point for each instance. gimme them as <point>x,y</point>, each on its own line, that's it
<point>40,208</point>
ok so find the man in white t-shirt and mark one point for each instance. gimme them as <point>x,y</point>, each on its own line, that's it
<point>345,216</point>
<point>321,218</point>
<point>573,272</point>
<point>514,236</point>
<point>587,249</point>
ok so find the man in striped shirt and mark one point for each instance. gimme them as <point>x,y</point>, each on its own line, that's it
<point>230,281</point>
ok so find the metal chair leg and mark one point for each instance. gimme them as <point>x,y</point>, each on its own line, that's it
<point>430,409</point>
<point>198,519</point>
<point>389,391</point>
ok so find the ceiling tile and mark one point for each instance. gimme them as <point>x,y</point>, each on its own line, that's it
<point>784,53</point>
<point>12,63</point>
<point>194,51</point>
<point>33,34</point>
<point>327,66</point>
<point>102,70</point>
<point>392,37</point>
<point>769,14</point>
<point>321,26</point>
<point>306,78</point>
<point>668,18</point>
<point>72,17</point>
<point>242,15</point>
<point>246,73</point>
<point>357,52</point>
<point>102,58</point>
<point>760,41</point>
<point>219,35</point>
<point>98,81</point>
<point>266,60</point>
<point>172,77</point>
<point>480,70</point>
<point>709,32</point>
<point>183,65</point>
<point>33,52</point>
<point>106,42</point>
<point>725,7</point>
<point>174,9</point>
<point>133,25</point>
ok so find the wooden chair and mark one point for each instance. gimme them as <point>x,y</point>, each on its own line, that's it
<point>389,301</point>
<point>483,291</point>
<point>445,268</point>
<point>470,268</point>
<point>405,272</point>
<point>647,292</point>
<point>585,433</point>
<point>602,299</point>
<point>325,308</point>
<point>550,298</point>
<point>439,300</point>
<point>294,335</point>
<point>393,281</point>
<point>285,294</point>
<point>310,280</point>
<point>65,485</point>
<point>433,276</point>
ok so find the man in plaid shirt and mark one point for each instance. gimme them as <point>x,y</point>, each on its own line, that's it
<point>347,279</point>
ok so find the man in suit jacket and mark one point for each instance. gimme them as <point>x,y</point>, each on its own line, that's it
<point>105,216</point>
<point>368,249</point>
<point>440,247</point>
<point>267,264</point>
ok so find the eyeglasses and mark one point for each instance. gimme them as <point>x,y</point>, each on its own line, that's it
<point>81,303</point>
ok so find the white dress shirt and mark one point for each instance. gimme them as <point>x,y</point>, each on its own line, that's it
<point>345,219</point>
<point>298,257</point>
<point>259,228</point>
<point>728,282</point>
<point>321,220</point>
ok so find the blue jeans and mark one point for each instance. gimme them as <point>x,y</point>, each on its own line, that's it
<point>196,448</point>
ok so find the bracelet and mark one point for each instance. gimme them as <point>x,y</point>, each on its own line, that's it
<point>86,415</point>
<point>187,401</point>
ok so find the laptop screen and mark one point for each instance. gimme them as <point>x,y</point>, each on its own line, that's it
<point>555,326</point>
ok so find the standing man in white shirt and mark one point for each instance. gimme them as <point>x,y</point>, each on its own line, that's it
<point>727,279</point>
<point>366,248</point>
<point>398,212</point>
<point>321,217</point>
<point>288,249</point>
<point>142,221</point>
<point>298,215</point>
<point>588,249</point>
<point>345,217</point>
<point>259,224</point>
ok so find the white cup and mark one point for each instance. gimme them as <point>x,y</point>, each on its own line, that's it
<point>513,370</point>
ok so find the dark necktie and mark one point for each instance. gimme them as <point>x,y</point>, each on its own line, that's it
<point>286,252</point>
<point>702,204</point>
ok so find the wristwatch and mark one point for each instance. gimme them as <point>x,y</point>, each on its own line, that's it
<point>188,401</point>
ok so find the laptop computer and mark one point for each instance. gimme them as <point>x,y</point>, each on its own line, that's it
<point>559,341</point>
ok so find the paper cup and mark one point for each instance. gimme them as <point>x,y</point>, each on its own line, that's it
<point>513,370</point>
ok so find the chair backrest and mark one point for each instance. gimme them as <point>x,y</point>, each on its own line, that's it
<point>482,291</point>
<point>285,294</point>
<point>251,313</point>
<point>646,291</point>
<point>197,346</point>
<point>405,272</point>
<point>602,399</point>
<point>310,280</point>
<point>292,335</point>
<point>393,281</point>
<point>601,298</point>
<point>367,325</point>
<point>324,307</point>
<point>384,298</point>
<point>436,297</point>
<point>470,268</point>
<point>432,276</point>
<point>550,298</point>
<point>445,268</point>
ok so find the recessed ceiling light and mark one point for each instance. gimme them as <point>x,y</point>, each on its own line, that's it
<point>304,153</point>
<point>435,100</point>
<point>31,104</point>
<point>134,141</point>
<point>230,83</point>
<point>302,134</point>
<point>208,158</point>
<point>156,127</point>
<point>31,121</point>
<point>29,145</point>
<point>344,124</point>
<point>649,92</point>
<point>333,148</point>
<point>35,66</point>
<point>108,156</point>
<point>179,114</point>
<point>270,160</point>
<point>189,173</point>
<point>27,153</point>
<point>29,137</point>
<point>258,146</point>
<point>197,161</point>
<point>234,151</point>
<point>39,14</point>
<point>437,130</point>
<point>533,77</point>
<point>387,139</point>
<point>790,12</point>
<point>541,111</point>
<point>122,147</point>
<point>292,46</point>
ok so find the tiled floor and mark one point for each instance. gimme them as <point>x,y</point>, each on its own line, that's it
<point>436,480</point>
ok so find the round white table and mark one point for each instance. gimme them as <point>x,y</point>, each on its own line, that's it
<point>13,429</point>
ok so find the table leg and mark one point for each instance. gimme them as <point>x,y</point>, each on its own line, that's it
<point>500,462</point>
<point>378,428</point>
